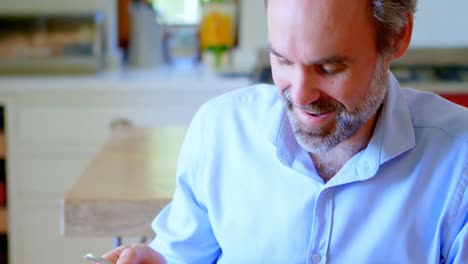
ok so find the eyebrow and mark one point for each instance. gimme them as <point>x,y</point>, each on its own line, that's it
<point>334,59</point>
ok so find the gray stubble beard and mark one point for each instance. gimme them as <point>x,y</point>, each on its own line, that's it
<point>317,140</point>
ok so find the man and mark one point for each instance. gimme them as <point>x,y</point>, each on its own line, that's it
<point>339,165</point>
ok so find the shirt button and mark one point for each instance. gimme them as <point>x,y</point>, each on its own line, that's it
<point>363,170</point>
<point>316,258</point>
<point>365,167</point>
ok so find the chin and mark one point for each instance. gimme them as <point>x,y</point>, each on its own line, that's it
<point>316,145</point>
<point>321,142</point>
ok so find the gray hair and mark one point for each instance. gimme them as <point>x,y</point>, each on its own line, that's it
<point>390,16</point>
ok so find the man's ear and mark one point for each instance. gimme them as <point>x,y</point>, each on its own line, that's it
<point>402,40</point>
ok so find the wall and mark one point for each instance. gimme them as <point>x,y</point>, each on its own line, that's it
<point>441,23</point>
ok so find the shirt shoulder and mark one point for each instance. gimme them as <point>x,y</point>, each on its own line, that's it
<point>431,111</point>
<point>251,102</point>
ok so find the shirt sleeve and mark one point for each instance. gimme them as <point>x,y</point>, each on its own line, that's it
<point>183,230</point>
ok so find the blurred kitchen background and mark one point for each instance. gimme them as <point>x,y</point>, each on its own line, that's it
<point>71,71</point>
<point>95,36</point>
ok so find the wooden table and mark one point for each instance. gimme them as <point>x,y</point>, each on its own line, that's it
<point>129,181</point>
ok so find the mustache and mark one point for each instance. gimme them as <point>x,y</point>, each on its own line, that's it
<point>318,107</point>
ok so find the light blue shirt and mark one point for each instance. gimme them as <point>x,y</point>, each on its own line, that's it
<point>248,193</point>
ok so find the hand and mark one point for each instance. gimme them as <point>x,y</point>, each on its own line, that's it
<point>134,254</point>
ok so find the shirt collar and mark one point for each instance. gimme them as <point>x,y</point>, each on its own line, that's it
<point>394,131</point>
<point>279,132</point>
<point>393,134</point>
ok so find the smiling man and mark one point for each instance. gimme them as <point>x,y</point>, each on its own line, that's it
<point>331,75</point>
<point>336,163</point>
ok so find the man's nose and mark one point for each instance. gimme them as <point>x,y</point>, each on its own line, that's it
<point>304,89</point>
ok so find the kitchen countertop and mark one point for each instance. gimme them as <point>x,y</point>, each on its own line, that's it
<point>197,78</point>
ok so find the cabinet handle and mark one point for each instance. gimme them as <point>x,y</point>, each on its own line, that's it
<point>120,123</point>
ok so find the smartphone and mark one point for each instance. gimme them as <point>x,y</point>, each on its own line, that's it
<point>97,259</point>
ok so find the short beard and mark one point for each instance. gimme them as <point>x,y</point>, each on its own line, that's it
<point>317,140</point>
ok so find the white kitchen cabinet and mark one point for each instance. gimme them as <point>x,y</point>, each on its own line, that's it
<point>56,125</point>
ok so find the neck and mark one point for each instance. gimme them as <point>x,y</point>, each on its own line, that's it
<point>329,163</point>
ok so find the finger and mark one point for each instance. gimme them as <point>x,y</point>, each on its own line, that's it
<point>147,255</point>
<point>128,256</point>
<point>114,255</point>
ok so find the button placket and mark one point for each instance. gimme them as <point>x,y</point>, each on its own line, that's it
<point>321,227</point>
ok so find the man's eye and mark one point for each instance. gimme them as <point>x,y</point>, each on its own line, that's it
<point>282,61</point>
<point>331,68</point>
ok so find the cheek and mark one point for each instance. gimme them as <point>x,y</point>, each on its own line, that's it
<point>352,92</point>
<point>358,84</point>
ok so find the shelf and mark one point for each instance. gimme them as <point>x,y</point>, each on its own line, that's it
<point>3,220</point>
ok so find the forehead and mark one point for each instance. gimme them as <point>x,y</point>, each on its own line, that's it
<point>295,25</point>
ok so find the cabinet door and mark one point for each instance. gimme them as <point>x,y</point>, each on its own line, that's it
<point>42,242</point>
<point>43,178</point>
